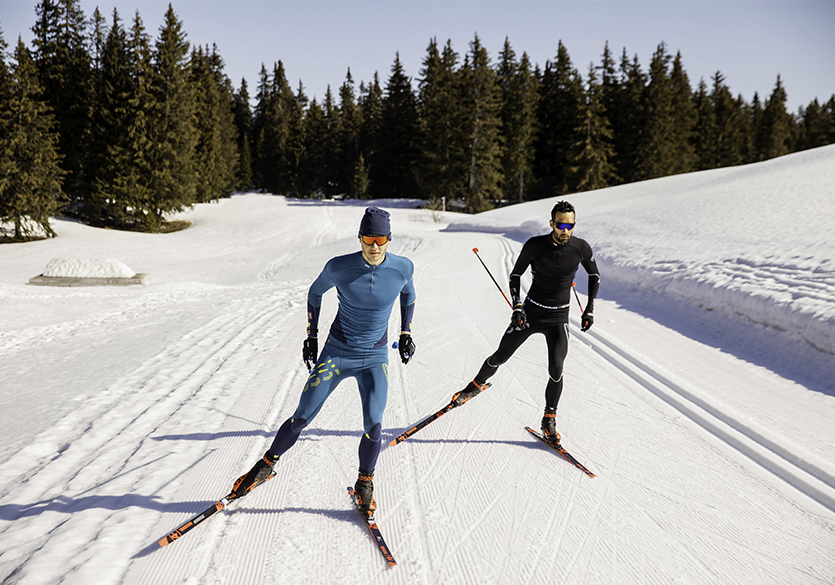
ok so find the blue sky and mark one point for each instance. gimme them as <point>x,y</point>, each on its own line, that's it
<point>749,42</point>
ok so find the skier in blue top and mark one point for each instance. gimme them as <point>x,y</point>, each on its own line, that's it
<point>367,284</point>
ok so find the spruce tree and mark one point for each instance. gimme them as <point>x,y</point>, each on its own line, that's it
<point>97,38</point>
<point>442,138</point>
<point>757,130</point>
<point>216,154</point>
<point>5,120</point>
<point>729,127</point>
<point>746,129</point>
<point>172,182</point>
<point>611,96</point>
<point>704,138</point>
<point>30,184</point>
<point>331,147</point>
<point>115,191</point>
<point>371,107</point>
<point>350,125</point>
<point>313,176</point>
<point>777,123</point>
<point>518,116</point>
<point>633,119</point>
<point>64,69</point>
<point>656,155</point>
<point>294,170</point>
<point>591,157</point>
<point>393,175</point>
<point>684,118</point>
<point>243,123</point>
<point>816,126</point>
<point>559,108</point>
<point>829,112</point>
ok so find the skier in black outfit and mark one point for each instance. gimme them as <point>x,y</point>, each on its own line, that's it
<point>553,259</point>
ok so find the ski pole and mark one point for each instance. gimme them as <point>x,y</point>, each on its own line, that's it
<point>491,276</point>
<point>576,296</point>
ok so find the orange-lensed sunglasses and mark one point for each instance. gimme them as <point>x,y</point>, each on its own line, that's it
<point>371,240</point>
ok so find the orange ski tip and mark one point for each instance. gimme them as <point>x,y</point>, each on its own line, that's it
<point>164,541</point>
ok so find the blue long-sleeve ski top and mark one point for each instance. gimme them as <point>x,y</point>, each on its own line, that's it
<point>366,296</point>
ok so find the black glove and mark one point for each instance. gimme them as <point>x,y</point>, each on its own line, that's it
<point>519,320</point>
<point>310,351</point>
<point>406,347</point>
<point>587,320</point>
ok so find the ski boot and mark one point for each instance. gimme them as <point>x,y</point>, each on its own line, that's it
<point>364,492</point>
<point>549,426</point>
<point>258,474</point>
<point>472,389</point>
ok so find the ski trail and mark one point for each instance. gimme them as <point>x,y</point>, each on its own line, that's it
<point>104,436</point>
<point>800,471</point>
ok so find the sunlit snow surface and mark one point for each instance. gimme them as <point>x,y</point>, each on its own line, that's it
<point>703,397</point>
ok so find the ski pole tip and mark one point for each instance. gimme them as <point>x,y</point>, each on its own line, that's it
<point>475,250</point>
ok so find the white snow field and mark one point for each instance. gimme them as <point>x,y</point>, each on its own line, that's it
<point>703,398</point>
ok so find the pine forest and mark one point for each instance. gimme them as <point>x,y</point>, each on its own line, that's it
<point>102,122</point>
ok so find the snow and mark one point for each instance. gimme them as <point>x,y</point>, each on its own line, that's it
<point>703,397</point>
<point>87,268</point>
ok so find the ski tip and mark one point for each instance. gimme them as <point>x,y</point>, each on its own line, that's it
<point>164,541</point>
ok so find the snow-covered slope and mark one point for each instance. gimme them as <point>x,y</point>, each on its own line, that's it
<point>125,411</point>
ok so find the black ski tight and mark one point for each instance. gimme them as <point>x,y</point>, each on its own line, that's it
<point>556,336</point>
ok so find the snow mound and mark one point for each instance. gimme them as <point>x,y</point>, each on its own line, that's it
<point>62,268</point>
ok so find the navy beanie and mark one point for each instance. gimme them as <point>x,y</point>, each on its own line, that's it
<point>375,222</point>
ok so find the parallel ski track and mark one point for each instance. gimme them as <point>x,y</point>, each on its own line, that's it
<point>805,476</point>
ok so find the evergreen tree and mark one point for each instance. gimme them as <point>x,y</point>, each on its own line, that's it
<point>518,118</point>
<point>5,120</point>
<point>611,97</point>
<point>561,99</point>
<point>442,136</point>
<point>483,115</point>
<point>592,153</point>
<point>829,112</point>
<point>30,184</point>
<point>393,175</point>
<point>313,176</point>
<point>704,137</point>
<point>64,69</point>
<point>371,107</point>
<point>294,171</point>
<point>331,152</point>
<point>684,119</point>
<point>729,135</point>
<point>98,37</point>
<point>115,191</point>
<point>757,130</point>
<point>243,123</point>
<point>173,178</point>
<point>633,118</point>
<point>777,123</point>
<point>746,129</point>
<point>350,124</point>
<point>656,155</point>
<point>216,154</point>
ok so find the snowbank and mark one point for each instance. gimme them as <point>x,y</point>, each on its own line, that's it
<point>62,268</point>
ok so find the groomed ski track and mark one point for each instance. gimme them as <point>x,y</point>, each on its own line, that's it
<point>688,490</point>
